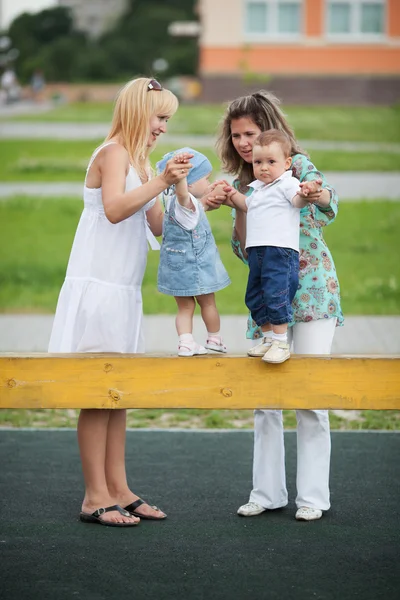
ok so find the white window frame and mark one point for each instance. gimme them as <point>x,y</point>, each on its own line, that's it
<point>272,35</point>
<point>355,35</point>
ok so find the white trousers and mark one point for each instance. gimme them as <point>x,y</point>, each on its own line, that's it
<point>313,437</point>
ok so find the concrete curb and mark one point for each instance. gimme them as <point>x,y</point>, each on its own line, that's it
<point>360,334</point>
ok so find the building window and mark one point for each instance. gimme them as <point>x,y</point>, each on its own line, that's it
<point>356,19</point>
<point>257,17</point>
<point>339,17</point>
<point>266,19</point>
<point>372,20</point>
<point>289,17</point>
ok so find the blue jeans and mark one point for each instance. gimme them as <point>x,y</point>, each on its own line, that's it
<point>272,284</point>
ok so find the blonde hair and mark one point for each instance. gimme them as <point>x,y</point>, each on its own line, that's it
<point>263,109</point>
<point>134,107</point>
<point>266,138</point>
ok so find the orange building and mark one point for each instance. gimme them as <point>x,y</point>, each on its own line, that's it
<point>322,43</point>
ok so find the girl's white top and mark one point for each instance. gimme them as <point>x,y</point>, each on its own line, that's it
<point>100,304</point>
<point>186,217</point>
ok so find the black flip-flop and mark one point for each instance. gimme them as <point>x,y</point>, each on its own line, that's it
<point>95,517</point>
<point>131,508</point>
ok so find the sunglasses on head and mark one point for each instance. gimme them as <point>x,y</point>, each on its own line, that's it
<point>154,85</point>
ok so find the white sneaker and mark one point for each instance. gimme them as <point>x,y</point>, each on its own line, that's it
<point>190,349</point>
<point>261,348</point>
<point>215,343</point>
<point>251,509</point>
<point>305,513</point>
<point>277,353</point>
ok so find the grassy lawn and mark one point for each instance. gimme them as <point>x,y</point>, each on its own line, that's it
<point>35,240</point>
<point>36,236</point>
<point>41,160</point>
<point>57,160</point>
<point>375,124</point>
<point>199,419</point>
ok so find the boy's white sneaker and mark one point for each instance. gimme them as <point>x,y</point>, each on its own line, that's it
<point>261,348</point>
<point>215,343</point>
<point>251,509</point>
<point>277,353</point>
<point>190,349</point>
<point>305,513</point>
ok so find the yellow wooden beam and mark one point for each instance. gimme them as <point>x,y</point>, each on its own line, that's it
<point>220,382</point>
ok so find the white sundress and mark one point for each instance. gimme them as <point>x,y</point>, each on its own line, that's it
<point>100,304</point>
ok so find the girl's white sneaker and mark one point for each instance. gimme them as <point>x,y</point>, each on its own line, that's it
<point>190,349</point>
<point>251,509</point>
<point>215,343</point>
<point>305,513</point>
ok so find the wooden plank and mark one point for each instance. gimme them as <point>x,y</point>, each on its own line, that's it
<point>220,382</point>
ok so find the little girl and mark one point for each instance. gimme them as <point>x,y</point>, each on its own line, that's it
<point>190,266</point>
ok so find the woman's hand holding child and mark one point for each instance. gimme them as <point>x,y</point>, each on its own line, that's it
<point>313,193</point>
<point>177,168</point>
<point>215,195</point>
<point>234,198</point>
<point>311,190</point>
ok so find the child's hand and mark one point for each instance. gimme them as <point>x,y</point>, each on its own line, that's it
<point>215,195</point>
<point>177,168</point>
<point>219,192</point>
<point>230,192</point>
<point>311,190</point>
<point>182,158</point>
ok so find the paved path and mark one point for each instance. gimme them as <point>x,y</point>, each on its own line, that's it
<point>25,107</point>
<point>360,335</point>
<point>49,190</point>
<point>350,186</point>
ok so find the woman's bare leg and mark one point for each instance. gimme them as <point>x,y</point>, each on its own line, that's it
<point>115,469</point>
<point>92,440</point>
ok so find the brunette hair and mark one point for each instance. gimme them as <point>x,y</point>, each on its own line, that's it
<point>274,135</point>
<point>136,103</point>
<point>263,109</point>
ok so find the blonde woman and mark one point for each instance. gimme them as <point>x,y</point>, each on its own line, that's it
<point>100,303</point>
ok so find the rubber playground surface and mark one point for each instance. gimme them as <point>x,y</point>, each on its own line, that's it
<point>203,550</point>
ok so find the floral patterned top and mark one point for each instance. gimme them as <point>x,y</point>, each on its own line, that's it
<point>318,295</point>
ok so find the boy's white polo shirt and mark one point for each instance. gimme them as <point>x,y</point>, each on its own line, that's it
<point>272,220</point>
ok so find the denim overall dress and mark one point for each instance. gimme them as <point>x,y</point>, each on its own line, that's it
<point>190,264</point>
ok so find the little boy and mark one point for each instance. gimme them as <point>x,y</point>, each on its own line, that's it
<point>272,241</point>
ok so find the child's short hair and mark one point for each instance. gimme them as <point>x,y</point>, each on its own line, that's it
<point>201,164</point>
<point>274,135</point>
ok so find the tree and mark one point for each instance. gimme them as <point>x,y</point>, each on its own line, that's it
<point>34,34</point>
<point>141,36</point>
<point>48,40</point>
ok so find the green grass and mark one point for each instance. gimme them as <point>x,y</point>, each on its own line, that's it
<point>36,236</point>
<point>77,112</point>
<point>54,160</point>
<point>388,420</point>
<point>355,161</point>
<point>365,245</point>
<point>352,123</point>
